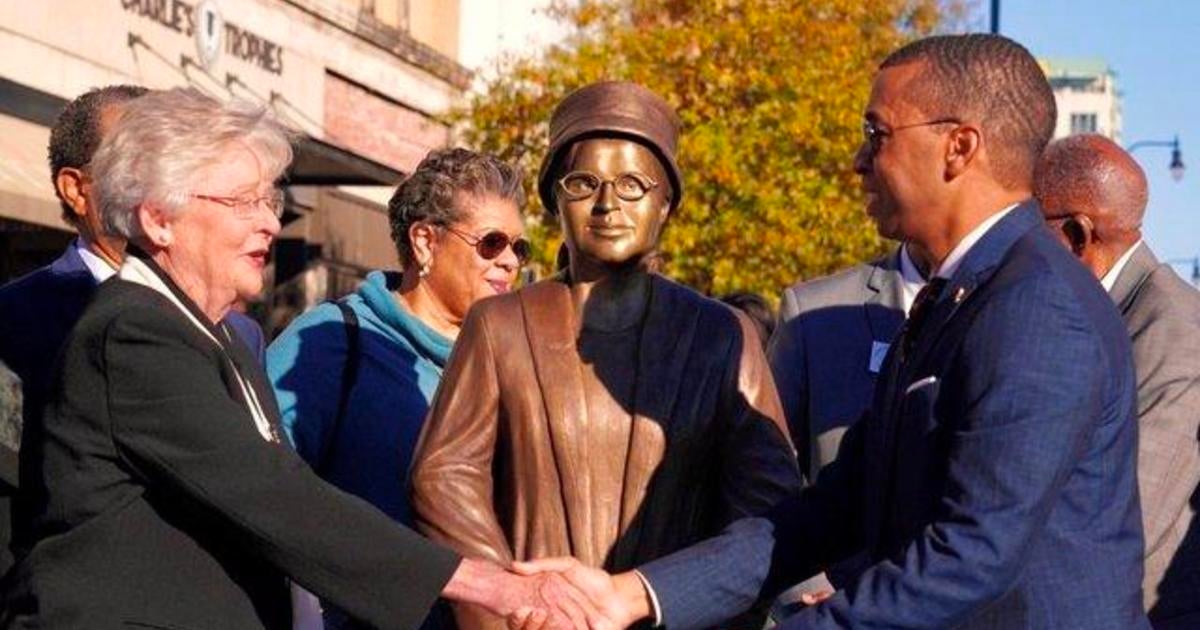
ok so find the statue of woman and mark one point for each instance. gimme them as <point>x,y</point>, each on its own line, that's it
<point>606,413</point>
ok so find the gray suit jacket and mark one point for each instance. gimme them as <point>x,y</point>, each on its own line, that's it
<point>1162,314</point>
<point>820,353</point>
<point>821,357</point>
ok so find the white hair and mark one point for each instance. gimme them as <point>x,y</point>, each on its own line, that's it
<point>163,138</point>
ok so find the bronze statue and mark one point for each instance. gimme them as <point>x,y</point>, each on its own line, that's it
<point>606,413</point>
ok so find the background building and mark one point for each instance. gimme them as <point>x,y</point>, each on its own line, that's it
<point>1087,97</point>
<point>493,29</point>
<point>363,80</point>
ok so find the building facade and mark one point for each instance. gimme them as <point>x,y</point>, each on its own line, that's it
<point>498,29</point>
<point>1087,97</point>
<point>363,81</point>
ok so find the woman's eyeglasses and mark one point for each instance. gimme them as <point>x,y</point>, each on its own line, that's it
<point>492,244</point>
<point>245,207</point>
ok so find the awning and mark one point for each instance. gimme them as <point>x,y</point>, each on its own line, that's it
<point>26,193</point>
<point>318,163</point>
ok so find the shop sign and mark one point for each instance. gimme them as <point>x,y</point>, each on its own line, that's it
<point>213,34</point>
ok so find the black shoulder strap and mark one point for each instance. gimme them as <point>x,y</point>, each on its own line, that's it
<point>349,377</point>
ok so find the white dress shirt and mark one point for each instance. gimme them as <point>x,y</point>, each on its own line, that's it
<point>1110,278</point>
<point>911,280</point>
<point>99,267</point>
<point>952,260</point>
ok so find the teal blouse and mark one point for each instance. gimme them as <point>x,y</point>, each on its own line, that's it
<point>400,365</point>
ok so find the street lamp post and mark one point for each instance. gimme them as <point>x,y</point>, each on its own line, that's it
<point>1176,165</point>
<point>1194,262</point>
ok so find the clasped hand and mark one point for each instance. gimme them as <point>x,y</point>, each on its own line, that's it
<point>569,595</point>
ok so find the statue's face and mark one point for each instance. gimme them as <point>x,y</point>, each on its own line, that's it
<point>613,197</point>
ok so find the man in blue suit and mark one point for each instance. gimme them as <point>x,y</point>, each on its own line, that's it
<point>38,310</point>
<point>993,482</point>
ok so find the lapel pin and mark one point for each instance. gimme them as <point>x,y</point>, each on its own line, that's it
<point>959,294</point>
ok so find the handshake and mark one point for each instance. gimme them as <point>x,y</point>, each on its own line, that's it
<point>554,594</point>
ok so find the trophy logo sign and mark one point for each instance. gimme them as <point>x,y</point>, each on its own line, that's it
<point>209,30</point>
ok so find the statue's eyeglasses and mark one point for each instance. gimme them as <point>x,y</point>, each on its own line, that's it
<point>491,245</point>
<point>873,134</point>
<point>580,185</point>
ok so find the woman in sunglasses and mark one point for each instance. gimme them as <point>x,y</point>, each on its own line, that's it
<point>354,378</point>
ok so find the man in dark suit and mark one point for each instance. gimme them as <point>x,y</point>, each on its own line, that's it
<point>1093,195</point>
<point>38,310</point>
<point>993,481</point>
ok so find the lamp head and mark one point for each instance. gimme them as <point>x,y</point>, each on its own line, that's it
<point>1176,167</point>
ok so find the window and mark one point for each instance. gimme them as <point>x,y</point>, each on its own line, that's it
<point>1083,123</point>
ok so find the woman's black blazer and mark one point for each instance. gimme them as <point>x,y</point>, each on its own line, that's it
<point>157,503</point>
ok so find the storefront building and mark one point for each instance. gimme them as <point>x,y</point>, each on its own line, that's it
<point>362,81</point>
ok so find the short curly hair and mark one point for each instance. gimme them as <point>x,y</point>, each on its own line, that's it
<point>76,132</point>
<point>433,192</point>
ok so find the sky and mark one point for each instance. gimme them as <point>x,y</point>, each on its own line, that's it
<point>1152,45</point>
<point>1154,48</point>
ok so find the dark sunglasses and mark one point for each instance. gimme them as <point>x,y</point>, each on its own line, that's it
<point>492,244</point>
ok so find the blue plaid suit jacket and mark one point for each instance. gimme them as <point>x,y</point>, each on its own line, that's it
<point>993,482</point>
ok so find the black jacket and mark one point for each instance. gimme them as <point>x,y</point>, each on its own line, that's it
<point>159,504</point>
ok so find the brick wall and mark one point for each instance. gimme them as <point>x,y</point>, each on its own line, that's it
<point>363,122</point>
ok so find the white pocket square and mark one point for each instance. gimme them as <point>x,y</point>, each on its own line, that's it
<point>928,380</point>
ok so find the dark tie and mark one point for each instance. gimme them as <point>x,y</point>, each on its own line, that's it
<point>919,314</point>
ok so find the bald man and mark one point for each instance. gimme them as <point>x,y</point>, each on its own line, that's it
<point>1093,196</point>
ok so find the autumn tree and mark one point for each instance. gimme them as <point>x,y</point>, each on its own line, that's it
<point>770,93</point>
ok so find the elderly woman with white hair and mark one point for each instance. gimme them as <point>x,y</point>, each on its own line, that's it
<point>162,496</point>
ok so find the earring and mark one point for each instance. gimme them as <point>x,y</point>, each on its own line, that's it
<point>424,270</point>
